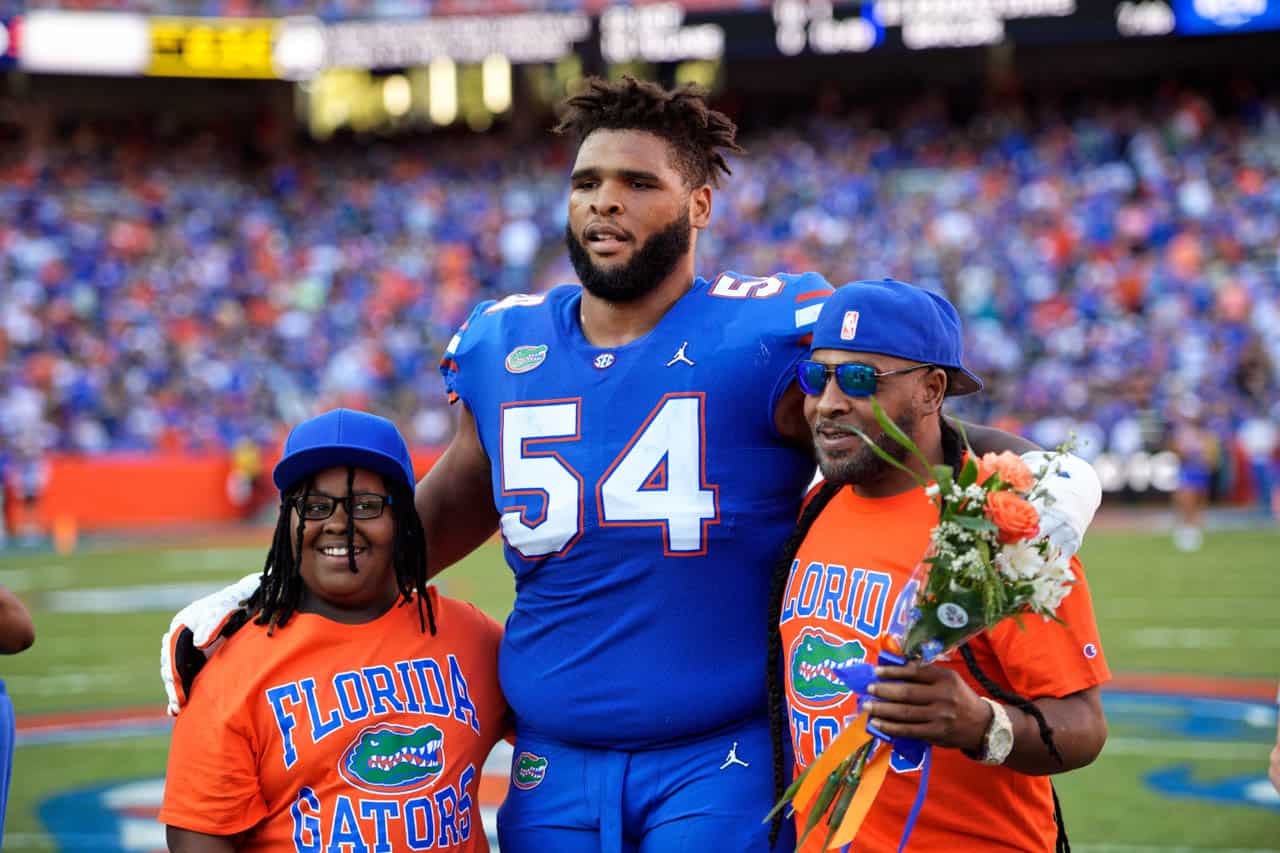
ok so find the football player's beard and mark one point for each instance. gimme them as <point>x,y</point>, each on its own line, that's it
<point>639,276</point>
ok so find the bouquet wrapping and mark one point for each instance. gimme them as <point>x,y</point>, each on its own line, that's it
<point>986,562</point>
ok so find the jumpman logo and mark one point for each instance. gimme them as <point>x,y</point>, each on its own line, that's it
<point>733,758</point>
<point>680,356</point>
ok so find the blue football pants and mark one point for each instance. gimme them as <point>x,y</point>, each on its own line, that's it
<point>7,735</point>
<point>707,796</point>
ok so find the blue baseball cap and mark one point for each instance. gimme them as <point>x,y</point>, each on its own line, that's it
<point>898,319</point>
<point>344,437</point>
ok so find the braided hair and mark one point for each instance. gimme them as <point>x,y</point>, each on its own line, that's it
<point>953,449</point>
<point>280,588</point>
<point>696,133</point>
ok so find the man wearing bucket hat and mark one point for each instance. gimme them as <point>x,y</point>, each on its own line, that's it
<point>857,542</point>
<point>336,717</point>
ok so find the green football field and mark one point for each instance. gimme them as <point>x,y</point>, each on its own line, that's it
<point>1180,773</point>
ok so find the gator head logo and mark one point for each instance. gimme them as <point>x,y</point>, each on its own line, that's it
<point>522,359</point>
<point>813,655</point>
<point>393,759</point>
<point>528,770</point>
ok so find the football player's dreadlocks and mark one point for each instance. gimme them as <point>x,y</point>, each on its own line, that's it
<point>280,590</point>
<point>953,454</point>
<point>696,133</point>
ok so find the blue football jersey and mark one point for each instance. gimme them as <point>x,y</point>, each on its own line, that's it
<point>645,494</point>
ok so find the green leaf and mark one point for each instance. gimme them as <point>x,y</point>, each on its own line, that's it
<point>879,451</point>
<point>840,808</point>
<point>788,795</point>
<point>828,793</point>
<point>969,473</point>
<point>895,432</point>
<point>942,476</point>
<point>974,522</point>
<point>964,434</point>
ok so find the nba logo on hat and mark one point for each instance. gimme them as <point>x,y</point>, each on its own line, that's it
<point>849,328</point>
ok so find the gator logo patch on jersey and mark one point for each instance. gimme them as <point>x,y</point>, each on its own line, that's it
<point>525,358</point>
<point>528,771</point>
<point>813,656</point>
<point>393,759</point>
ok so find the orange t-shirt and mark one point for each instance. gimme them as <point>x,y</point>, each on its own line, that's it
<point>845,593</point>
<point>330,736</point>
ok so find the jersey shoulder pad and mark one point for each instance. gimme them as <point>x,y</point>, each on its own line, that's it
<point>786,304</point>
<point>490,328</point>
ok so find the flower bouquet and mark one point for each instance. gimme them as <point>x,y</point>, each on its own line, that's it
<point>986,562</point>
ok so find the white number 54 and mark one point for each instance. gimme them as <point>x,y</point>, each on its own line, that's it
<point>659,478</point>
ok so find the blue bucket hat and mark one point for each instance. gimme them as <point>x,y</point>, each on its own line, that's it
<point>344,437</point>
<point>898,319</point>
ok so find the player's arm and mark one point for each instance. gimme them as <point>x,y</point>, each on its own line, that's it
<point>17,632</point>
<point>455,498</point>
<point>985,439</point>
<point>788,418</point>
<point>934,704</point>
<point>186,841</point>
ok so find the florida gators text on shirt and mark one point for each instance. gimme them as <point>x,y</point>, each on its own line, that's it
<point>354,737</point>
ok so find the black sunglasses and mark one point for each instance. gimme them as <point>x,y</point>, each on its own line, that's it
<point>854,379</point>
<point>363,505</point>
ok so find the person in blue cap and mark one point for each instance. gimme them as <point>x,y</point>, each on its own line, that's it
<point>638,440</point>
<point>356,706</point>
<point>1020,704</point>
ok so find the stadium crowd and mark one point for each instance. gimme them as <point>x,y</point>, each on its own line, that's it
<point>1116,266</point>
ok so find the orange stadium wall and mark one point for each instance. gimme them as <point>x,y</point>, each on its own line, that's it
<point>119,491</point>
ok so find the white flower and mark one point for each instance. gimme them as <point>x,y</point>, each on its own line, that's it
<point>1047,594</point>
<point>1020,560</point>
<point>1059,569</point>
<point>932,490</point>
<point>976,493</point>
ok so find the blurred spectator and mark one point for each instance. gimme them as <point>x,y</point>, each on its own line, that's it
<point>1112,263</point>
<point>1199,454</point>
<point>27,477</point>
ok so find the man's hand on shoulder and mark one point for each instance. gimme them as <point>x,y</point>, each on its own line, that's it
<point>196,632</point>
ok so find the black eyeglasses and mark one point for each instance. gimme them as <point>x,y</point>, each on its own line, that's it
<point>854,379</point>
<point>363,505</point>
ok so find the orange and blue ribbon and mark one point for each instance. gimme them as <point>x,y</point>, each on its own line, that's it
<point>858,677</point>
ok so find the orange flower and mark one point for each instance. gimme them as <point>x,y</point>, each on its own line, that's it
<point>1010,467</point>
<point>1014,517</point>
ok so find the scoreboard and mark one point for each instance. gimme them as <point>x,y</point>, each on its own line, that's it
<point>654,32</point>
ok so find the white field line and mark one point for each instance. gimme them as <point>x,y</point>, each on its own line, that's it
<point>1185,637</point>
<point>1189,749</point>
<point>1161,848</point>
<point>1199,607</point>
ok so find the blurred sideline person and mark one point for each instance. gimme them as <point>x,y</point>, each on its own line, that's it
<point>358,707</point>
<point>17,633</point>
<point>1274,770</point>
<point>859,539</point>
<point>1198,458</point>
<point>639,440</point>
